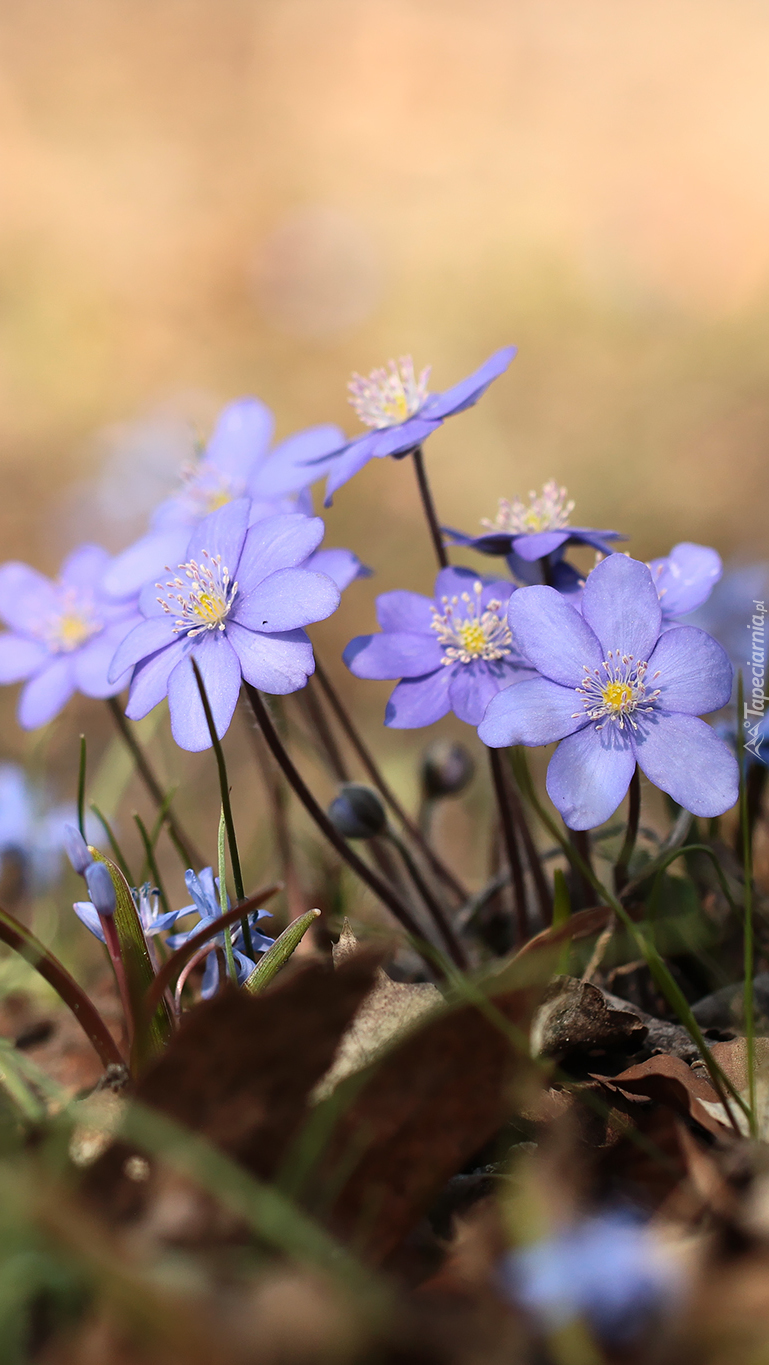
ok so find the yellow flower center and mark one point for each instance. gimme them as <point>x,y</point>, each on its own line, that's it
<point>473,637</point>
<point>468,632</point>
<point>617,695</point>
<point>72,631</point>
<point>202,599</point>
<point>389,396</point>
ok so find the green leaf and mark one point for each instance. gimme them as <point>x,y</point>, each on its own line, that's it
<point>277,956</point>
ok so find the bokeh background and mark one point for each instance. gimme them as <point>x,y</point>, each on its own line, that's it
<point>206,198</point>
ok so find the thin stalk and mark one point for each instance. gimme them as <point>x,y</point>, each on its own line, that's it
<point>660,973</point>
<point>429,508</point>
<point>439,868</point>
<point>224,788</point>
<point>18,937</point>
<point>277,795</point>
<point>511,843</point>
<point>161,815</point>
<point>309,700</point>
<point>152,867</point>
<point>81,788</point>
<point>229,956</point>
<point>315,811</point>
<point>433,906</point>
<point>580,842</point>
<point>114,845</point>
<point>633,818</point>
<point>747,869</point>
<point>532,852</point>
<point>185,848</point>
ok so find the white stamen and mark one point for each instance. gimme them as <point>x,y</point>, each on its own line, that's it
<point>469,633</point>
<point>204,601</point>
<point>550,512</point>
<point>389,396</point>
<point>615,690</point>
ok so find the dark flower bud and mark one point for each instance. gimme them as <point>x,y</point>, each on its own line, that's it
<point>76,849</point>
<point>101,888</point>
<point>446,769</point>
<point>357,812</point>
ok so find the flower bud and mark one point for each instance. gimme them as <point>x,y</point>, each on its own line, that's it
<point>76,849</point>
<point>357,812</point>
<point>101,888</point>
<point>446,769</point>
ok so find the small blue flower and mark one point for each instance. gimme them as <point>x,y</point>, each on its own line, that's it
<point>609,1270</point>
<point>204,889</point>
<point>685,578</point>
<point>237,463</point>
<point>616,689</point>
<point>395,402</point>
<point>237,605</point>
<point>539,529</point>
<point>62,636</point>
<point>147,901</point>
<point>454,652</point>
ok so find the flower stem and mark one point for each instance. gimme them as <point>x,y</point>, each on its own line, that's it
<point>229,956</point>
<point>633,816</point>
<point>224,788</point>
<point>187,851</point>
<point>81,788</point>
<point>385,893</point>
<point>384,789</point>
<point>435,909</point>
<point>511,843</point>
<point>429,508</point>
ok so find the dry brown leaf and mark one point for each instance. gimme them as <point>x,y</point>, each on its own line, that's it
<point>669,1081</point>
<point>574,1016</point>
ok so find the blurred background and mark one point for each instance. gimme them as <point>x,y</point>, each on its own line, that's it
<point>206,198</point>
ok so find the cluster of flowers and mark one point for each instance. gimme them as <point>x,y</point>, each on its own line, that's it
<point>230,573</point>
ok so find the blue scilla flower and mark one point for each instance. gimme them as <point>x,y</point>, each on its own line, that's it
<point>237,604</point>
<point>61,635</point>
<point>538,530</point>
<point>453,652</point>
<point>397,405</point>
<point>609,1270</point>
<point>237,463</point>
<point>204,889</point>
<point>616,689</point>
<point>147,901</point>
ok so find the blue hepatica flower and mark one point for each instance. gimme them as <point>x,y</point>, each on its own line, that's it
<point>609,1271</point>
<point>203,887</point>
<point>685,578</point>
<point>539,529</point>
<point>238,604</point>
<point>237,463</point>
<point>453,652</point>
<point>147,902</point>
<point>62,635</point>
<point>396,404</point>
<point>616,689</point>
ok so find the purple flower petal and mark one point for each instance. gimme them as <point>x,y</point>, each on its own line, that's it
<point>419,701</point>
<point>86,912</point>
<point>686,759</point>
<point>342,566</point>
<point>539,544</point>
<point>552,635</point>
<point>695,675</point>
<point>222,532</point>
<point>685,578</point>
<point>145,639</point>
<point>468,391</point>
<point>452,582</point>
<point>589,774</point>
<point>278,664</point>
<point>536,711</point>
<point>241,437</point>
<point>149,684</point>
<point>90,667</point>
<point>46,693</point>
<point>393,654</point>
<point>399,440</point>
<point>287,599</point>
<point>84,567</point>
<point>401,610</point>
<point>280,542</point>
<point>347,465</point>
<point>286,468</point>
<point>473,686</point>
<point>146,561</point>
<point>27,599</point>
<point>620,603</point>
<point>20,658</point>
<point>220,670</point>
